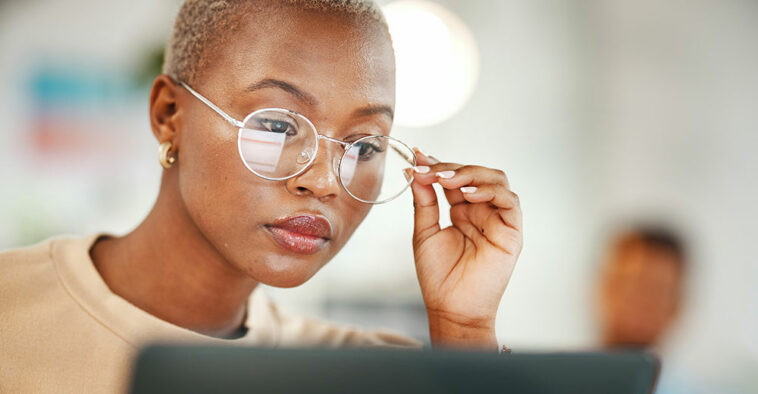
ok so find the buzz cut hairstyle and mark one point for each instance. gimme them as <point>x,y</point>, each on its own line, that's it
<point>201,24</point>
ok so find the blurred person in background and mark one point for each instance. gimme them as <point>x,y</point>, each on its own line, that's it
<point>641,287</point>
<point>640,296</point>
<point>76,309</point>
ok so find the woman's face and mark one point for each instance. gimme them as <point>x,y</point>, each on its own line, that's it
<point>329,69</point>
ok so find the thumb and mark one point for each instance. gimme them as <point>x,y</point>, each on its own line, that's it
<point>426,210</point>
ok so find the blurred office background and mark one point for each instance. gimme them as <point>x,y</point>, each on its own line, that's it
<point>600,112</point>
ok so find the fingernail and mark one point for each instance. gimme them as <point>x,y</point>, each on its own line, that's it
<point>432,159</point>
<point>446,174</point>
<point>421,169</point>
<point>407,173</point>
<point>468,189</point>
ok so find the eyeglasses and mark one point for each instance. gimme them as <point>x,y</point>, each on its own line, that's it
<point>278,144</point>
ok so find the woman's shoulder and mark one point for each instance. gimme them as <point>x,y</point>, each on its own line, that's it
<point>18,265</point>
<point>26,256</point>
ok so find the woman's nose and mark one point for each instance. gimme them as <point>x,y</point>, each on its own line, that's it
<point>320,180</point>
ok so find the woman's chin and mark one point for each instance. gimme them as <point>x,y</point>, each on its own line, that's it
<point>283,271</point>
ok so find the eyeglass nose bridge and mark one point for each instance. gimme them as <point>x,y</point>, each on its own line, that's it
<point>330,139</point>
<point>337,160</point>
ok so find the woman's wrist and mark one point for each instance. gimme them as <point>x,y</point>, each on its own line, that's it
<point>451,331</point>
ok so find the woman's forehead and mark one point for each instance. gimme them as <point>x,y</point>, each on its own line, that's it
<point>330,55</point>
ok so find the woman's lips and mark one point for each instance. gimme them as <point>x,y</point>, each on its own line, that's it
<point>304,234</point>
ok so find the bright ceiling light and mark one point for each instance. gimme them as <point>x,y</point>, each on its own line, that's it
<point>437,62</point>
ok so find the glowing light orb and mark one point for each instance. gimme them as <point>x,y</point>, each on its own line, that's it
<point>437,62</point>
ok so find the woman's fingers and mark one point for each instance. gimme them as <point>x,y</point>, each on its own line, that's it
<point>452,177</point>
<point>482,222</point>
<point>423,159</point>
<point>426,212</point>
<point>469,183</point>
<point>425,205</point>
<point>460,176</point>
<point>426,176</point>
<point>500,197</point>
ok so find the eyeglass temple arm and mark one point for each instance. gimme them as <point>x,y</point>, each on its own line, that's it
<point>212,106</point>
<point>237,123</point>
<point>403,154</point>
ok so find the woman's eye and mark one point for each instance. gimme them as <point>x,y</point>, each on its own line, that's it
<point>367,150</point>
<point>278,126</point>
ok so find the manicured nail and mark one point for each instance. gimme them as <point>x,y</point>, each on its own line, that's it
<point>407,173</point>
<point>468,189</point>
<point>431,159</point>
<point>421,169</point>
<point>446,174</point>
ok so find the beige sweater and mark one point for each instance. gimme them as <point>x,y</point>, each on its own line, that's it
<point>63,331</point>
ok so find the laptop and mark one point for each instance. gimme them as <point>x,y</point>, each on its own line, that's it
<point>236,369</point>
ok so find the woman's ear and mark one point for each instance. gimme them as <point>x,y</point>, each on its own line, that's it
<point>164,114</point>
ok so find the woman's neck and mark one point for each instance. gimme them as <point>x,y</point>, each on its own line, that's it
<point>169,269</point>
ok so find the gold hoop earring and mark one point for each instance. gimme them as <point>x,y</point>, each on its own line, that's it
<point>163,157</point>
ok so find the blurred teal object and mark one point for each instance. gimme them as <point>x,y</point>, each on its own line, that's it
<point>65,85</point>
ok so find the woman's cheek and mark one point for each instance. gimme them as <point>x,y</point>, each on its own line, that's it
<point>207,183</point>
<point>352,215</point>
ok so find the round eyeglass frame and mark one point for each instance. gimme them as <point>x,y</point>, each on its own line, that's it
<point>319,137</point>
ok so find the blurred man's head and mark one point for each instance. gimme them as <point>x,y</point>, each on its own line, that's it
<point>641,287</point>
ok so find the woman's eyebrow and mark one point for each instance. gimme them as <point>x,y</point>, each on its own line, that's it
<point>286,86</point>
<point>311,100</point>
<point>375,109</point>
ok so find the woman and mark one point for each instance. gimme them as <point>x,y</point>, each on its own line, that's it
<point>74,310</point>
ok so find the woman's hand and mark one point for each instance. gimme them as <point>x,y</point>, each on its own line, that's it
<point>463,269</point>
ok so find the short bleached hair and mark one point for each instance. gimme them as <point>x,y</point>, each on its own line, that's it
<point>202,24</point>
